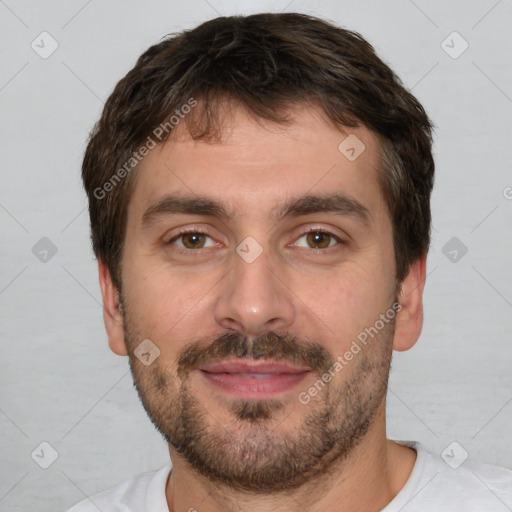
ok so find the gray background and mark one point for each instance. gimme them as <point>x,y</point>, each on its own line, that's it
<point>59,382</point>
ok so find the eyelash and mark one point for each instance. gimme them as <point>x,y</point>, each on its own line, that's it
<point>202,232</point>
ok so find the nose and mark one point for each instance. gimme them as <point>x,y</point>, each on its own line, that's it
<point>254,298</point>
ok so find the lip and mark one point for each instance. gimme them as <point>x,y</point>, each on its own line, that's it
<point>257,379</point>
<point>233,367</point>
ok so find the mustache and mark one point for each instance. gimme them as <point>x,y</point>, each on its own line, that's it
<point>270,345</point>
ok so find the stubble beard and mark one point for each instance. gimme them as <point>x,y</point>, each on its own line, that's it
<point>253,451</point>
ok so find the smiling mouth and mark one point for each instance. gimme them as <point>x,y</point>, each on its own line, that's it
<point>259,379</point>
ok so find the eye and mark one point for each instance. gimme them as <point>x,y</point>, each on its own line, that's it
<point>194,239</point>
<point>319,239</point>
<point>191,239</point>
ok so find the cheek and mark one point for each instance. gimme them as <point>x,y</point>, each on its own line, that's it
<point>343,304</point>
<point>166,307</point>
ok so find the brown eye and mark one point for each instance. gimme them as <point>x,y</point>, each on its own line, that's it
<point>319,239</point>
<point>193,240</point>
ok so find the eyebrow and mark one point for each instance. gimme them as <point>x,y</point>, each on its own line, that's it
<point>338,203</point>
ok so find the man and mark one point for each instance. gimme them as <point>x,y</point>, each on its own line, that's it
<point>259,195</point>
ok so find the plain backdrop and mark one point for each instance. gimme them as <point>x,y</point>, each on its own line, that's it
<point>60,384</point>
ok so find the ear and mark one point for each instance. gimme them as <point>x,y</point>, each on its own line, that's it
<point>409,320</point>
<point>112,312</point>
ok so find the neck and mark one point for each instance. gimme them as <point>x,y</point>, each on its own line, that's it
<point>366,480</point>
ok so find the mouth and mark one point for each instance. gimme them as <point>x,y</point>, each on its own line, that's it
<point>253,379</point>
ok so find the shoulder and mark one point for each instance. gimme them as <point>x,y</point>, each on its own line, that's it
<point>453,483</point>
<point>136,493</point>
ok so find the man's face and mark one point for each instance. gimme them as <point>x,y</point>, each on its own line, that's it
<point>255,288</point>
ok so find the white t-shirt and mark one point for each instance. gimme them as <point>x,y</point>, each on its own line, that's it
<point>432,486</point>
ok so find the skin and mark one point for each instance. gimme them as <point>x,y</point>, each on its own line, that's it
<point>292,288</point>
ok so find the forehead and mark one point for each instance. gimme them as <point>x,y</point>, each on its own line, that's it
<point>258,163</point>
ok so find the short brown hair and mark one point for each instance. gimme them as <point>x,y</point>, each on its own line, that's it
<point>266,62</point>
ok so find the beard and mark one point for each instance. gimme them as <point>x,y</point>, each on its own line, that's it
<point>245,449</point>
